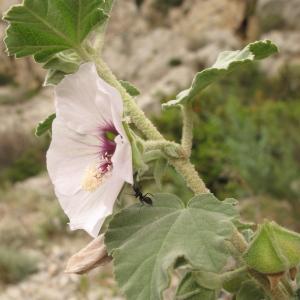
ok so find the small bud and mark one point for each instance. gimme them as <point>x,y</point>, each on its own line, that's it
<point>273,250</point>
<point>88,258</point>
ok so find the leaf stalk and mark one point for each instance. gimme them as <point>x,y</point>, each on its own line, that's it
<point>187,130</point>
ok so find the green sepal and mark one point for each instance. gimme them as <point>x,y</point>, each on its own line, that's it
<point>66,61</point>
<point>226,62</point>
<point>54,77</point>
<point>61,64</point>
<point>274,249</point>
<point>159,170</point>
<point>45,126</point>
<point>137,149</point>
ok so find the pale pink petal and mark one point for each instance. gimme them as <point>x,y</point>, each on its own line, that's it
<point>76,98</point>
<point>115,105</point>
<point>88,210</point>
<point>87,107</point>
<point>122,160</point>
<point>69,155</point>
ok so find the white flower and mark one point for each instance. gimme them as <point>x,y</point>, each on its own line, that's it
<point>89,158</point>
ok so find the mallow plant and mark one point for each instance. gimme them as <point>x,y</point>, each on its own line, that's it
<point>102,141</point>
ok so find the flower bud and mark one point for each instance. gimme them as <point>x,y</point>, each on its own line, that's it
<point>88,258</point>
<point>273,250</point>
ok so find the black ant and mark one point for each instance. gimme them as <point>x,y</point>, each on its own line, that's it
<point>143,198</point>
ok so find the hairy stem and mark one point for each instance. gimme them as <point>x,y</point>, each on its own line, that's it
<point>169,148</point>
<point>187,130</point>
<point>191,176</point>
<point>239,241</point>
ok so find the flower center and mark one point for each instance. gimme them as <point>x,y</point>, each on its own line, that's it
<point>95,176</point>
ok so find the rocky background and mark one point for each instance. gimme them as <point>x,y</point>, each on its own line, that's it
<point>158,45</point>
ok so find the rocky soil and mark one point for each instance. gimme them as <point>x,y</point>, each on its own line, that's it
<point>159,51</point>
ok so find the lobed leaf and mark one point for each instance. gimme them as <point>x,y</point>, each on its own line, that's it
<point>226,62</point>
<point>43,28</point>
<point>147,241</point>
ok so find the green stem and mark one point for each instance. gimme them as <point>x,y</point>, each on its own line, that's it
<point>239,241</point>
<point>187,130</point>
<point>191,176</point>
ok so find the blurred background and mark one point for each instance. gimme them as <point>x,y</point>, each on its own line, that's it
<point>247,142</point>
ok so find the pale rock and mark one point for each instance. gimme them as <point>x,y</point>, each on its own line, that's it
<point>278,14</point>
<point>27,113</point>
<point>198,17</point>
<point>6,4</point>
<point>53,269</point>
<point>288,43</point>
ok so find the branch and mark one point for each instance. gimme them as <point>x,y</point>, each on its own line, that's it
<point>171,149</point>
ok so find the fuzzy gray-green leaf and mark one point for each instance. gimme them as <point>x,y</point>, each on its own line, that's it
<point>146,241</point>
<point>226,62</point>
